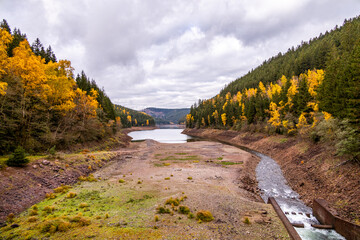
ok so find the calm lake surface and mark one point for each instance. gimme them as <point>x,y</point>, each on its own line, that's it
<point>168,135</point>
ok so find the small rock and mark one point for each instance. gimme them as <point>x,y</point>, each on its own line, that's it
<point>293,213</point>
<point>286,213</point>
<point>34,166</point>
<point>301,184</point>
<point>45,162</point>
<point>15,225</point>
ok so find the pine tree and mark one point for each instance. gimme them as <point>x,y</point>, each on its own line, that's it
<point>4,24</point>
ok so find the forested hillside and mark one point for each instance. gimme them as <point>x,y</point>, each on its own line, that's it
<point>130,117</point>
<point>168,116</point>
<point>42,104</point>
<point>312,90</point>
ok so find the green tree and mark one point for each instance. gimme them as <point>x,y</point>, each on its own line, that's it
<point>18,158</point>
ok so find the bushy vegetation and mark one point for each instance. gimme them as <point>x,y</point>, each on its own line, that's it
<point>43,104</point>
<point>130,117</point>
<point>204,215</point>
<point>18,158</point>
<point>312,90</point>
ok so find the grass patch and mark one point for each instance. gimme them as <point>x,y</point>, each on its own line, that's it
<point>181,153</point>
<point>96,210</point>
<point>161,164</point>
<point>220,158</point>
<point>230,163</point>
<point>179,158</point>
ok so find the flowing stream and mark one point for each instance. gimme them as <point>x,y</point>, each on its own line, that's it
<point>271,183</point>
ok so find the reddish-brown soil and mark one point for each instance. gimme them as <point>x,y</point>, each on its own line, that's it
<point>311,169</point>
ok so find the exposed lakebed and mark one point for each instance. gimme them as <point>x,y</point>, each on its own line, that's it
<point>271,183</point>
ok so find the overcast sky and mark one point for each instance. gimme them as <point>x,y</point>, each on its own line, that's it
<point>168,53</point>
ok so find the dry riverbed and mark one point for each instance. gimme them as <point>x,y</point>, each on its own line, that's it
<point>127,198</point>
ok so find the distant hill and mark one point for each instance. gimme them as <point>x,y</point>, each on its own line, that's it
<point>130,117</point>
<point>168,116</point>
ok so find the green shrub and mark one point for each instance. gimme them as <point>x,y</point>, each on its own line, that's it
<point>163,210</point>
<point>204,216</point>
<point>172,201</point>
<point>32,219</point>
<point>11,217</point>
<point>33,212</point>
<point>83,205</point>
<point>247,221</point>
<point>49,209</point>
<point>348,141</point>
<point>62,189</point>
<point>71,195</point>
<point>184,210</point>
<point>55,225</point>
<point>52,152</point>
<point>18,158</point>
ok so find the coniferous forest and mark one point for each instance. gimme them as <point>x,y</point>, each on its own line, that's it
<point>312,90</point>
<point>43,104</point>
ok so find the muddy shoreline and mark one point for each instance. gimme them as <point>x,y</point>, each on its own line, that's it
<point>312,170</point>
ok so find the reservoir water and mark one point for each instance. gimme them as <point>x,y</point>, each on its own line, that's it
<point>271,183</point>
<point>166,135</point>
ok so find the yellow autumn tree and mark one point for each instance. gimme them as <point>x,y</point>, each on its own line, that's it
<point>129,118</point>
<point>302,125</point>
<point>61,94</point>
<point>3,87</point>
<point>216,116</point>
<point>5,40</point>
<point>274,115</point>
<point>223,118</point>
<point>314,78</point>
<point>86,105</point>
<point>293,89</point>
<point>273,89</point>
<point>203,122</point>
<point>239,97</point>
<point>30,69</point>
<point>262,88</point>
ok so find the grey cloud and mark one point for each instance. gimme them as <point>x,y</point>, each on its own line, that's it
<point>171,53</point>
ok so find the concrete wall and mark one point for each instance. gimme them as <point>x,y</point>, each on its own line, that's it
<point>321,211</point>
